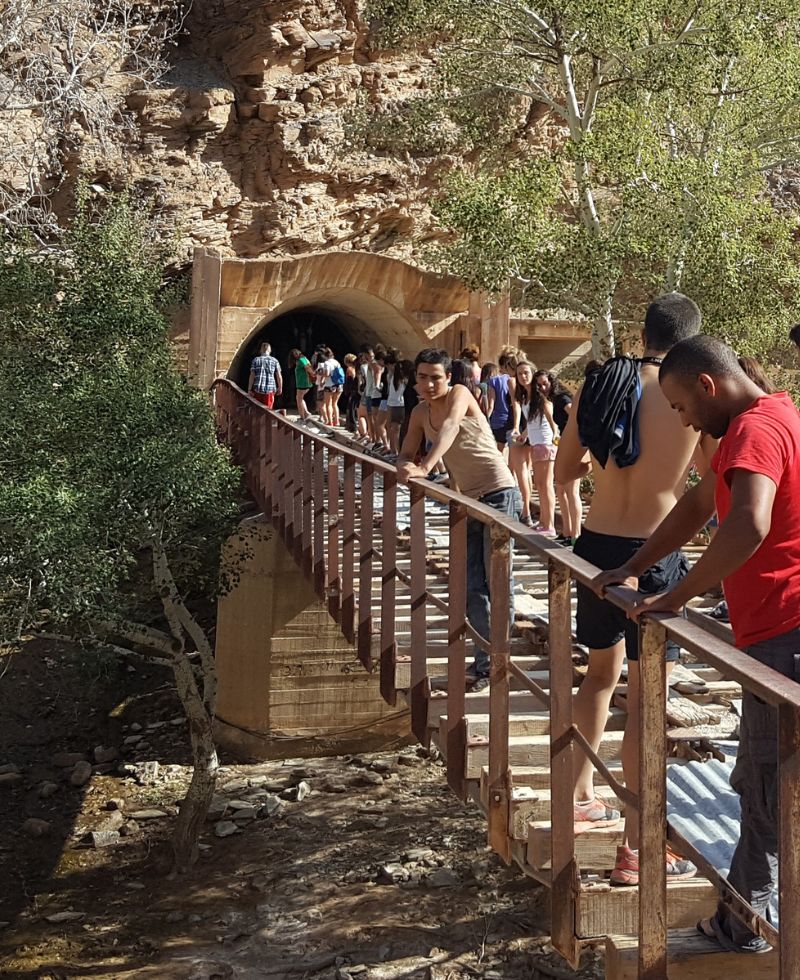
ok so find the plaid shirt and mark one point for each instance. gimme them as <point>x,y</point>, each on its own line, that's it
<point>264,367</point>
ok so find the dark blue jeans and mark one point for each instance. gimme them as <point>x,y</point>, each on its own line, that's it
<point>479,556</point>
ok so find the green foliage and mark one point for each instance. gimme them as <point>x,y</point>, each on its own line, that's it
<point>105,447</point>
<point>648,172</point>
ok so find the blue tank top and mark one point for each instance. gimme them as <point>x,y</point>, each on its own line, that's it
<point>502,406</point>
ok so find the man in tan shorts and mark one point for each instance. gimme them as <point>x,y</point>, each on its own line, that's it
<point>623,429</point>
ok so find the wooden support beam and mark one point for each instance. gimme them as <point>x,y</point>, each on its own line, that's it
<point>602,910</point>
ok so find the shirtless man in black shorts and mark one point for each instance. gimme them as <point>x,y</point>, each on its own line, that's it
<point>639,475</point>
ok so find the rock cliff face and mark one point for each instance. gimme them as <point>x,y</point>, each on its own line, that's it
<point>243,142</point>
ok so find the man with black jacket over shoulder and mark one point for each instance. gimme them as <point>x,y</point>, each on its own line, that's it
<point>639,457</point>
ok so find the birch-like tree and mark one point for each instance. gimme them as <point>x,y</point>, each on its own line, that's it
<point>664,123</point>
<point>65,67</point>
<point>115,497</point>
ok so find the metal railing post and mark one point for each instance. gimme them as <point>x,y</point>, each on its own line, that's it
<point>499,775</point>
<point>456,652</point>
<point>420,684</point>
<point>366,534</point>
<point>349,551</point>
<point>652,801</point>
<point>564,867</point>
<point>317,486</point>
<point>388,588</point>
<point>788,847</point>
<point>334,583</point>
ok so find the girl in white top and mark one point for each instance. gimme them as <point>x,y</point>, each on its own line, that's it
<point>329,413</point>
<point>396,403</point>
<point>534,448</point>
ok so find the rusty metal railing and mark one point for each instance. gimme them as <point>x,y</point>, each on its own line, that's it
<point>312,488</point>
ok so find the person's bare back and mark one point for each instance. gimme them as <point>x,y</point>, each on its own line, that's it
<point>633,501</point>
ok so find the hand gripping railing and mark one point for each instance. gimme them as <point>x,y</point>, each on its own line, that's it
<point>308,486</point>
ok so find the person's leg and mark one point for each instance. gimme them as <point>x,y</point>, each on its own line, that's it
<point>362,419</point>
<point>336,394</point>
<point>543,479</point>
<point>518,461</point>
<point>590,710</point>
<point>302,411</point>
<point>574,507</point>
<point>393,430</point>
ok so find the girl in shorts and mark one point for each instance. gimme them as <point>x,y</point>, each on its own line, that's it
<point>534,448</point>
<point>333,378</point>
<point>304,377</point>
<point>401,376</point>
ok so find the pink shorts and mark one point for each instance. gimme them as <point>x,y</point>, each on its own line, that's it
<point>542,453</point>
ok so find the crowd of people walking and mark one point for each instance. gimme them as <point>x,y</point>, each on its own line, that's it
<point>372,394</point>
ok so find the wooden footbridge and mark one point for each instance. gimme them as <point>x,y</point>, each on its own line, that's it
<point>391,563</point>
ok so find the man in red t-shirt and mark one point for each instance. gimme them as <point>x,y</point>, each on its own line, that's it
<point>754,486</point>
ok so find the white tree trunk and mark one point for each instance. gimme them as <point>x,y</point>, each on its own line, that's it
<point>198,705</point>
<point>603,340</point>
<point>194,808</point>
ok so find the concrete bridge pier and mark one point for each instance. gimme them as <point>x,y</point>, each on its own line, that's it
<point>289,683</point>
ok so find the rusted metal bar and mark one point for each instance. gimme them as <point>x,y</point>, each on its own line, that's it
<point>348,550</point>
<point>309,521</point>
<point>788,845</point>
<point>318,532</point>
<point>519,674</point>
<point>268,464</point>
<point>265,495</point>
<point>366,536</point>
<point>652,802</point>
<point>628,797</point>
<point>420,684</point>
<point>334,583</point>
<point>297,495</point>
<point>456,735</point>
<point>388,588</point>
<point>500,651</point>
<point>741,909</point>
<point>279,517</point>
<point>564,866</point>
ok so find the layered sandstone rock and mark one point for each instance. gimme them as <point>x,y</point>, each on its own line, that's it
<point>243,143</point>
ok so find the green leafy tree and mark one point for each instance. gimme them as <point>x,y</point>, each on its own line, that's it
<point>663,122</point>
<point>115,498</point>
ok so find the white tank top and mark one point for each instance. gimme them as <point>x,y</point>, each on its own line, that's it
<point>395,399</point>
<point>539,430</point>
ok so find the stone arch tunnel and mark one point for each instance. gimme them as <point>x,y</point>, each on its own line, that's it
<point>346,299</point>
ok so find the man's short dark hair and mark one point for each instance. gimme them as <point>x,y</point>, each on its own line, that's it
<point>794,334</point>
<point>365,349</point>
<point>670,319</point>
<point>434,355</point>
<point>700,355</point>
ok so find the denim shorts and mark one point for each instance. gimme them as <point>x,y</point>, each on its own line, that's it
<point>602,624</point>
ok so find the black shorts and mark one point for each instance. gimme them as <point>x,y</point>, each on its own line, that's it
<point>501,433</point>
<point>601,624</point>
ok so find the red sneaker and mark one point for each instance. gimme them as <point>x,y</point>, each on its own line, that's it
<point>626,869</point>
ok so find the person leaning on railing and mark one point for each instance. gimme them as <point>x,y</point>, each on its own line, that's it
<point>754,485</point>
<point>451,420</point>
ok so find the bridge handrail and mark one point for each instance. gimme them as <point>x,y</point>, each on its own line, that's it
<point>287,476</point>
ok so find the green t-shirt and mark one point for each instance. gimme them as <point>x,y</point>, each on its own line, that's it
<point>301,378</point>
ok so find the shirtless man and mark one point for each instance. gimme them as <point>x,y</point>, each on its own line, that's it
<point>629,503</point>
<point>451,420</point>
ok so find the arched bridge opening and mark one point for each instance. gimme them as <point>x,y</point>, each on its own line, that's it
<point>303,329</point>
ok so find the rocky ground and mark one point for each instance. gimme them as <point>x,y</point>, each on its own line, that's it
<point>359,867</point>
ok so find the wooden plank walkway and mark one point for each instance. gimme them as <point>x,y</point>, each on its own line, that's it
<point>390,561</point>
